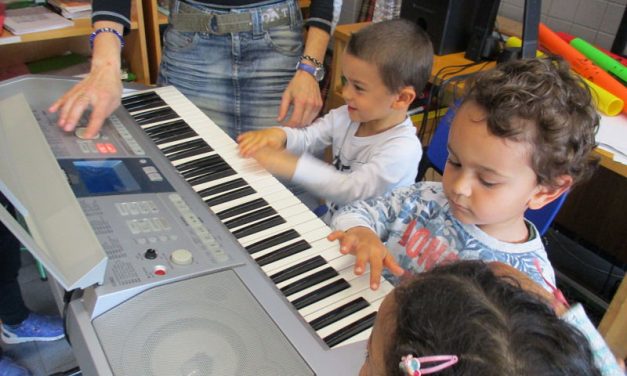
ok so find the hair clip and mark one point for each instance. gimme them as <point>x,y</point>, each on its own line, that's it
<point>411,365</point>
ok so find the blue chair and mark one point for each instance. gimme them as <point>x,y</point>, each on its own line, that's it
<point>437,154</point>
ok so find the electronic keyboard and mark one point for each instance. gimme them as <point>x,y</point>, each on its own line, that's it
<point>279,232</point>
<point>212,265</point>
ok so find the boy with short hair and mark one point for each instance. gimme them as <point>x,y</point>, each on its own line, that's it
<point>521,137</point>
<point>374,143</point>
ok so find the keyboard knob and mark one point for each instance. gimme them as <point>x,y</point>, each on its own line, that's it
<point>181,257</point>
<point>80,133</point>
<point>150,254</point>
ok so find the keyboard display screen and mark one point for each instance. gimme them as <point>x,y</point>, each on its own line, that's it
<point>106,176</point>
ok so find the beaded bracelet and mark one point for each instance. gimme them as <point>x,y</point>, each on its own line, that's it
<point>311,59</point>
<point>105,30</point>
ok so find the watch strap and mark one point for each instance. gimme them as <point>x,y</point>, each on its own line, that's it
<point>309,69</point>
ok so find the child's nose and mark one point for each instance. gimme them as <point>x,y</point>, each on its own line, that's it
<point>346,93</point>
<point>462,185</point>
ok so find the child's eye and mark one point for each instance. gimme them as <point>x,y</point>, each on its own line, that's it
<point>344,81</point>
<point>486,184</point>
<point>453,163</point>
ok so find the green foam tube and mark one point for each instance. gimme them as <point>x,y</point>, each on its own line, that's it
<point>600,58</point>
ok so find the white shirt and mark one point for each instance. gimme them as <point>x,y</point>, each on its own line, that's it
<point>363,167</point>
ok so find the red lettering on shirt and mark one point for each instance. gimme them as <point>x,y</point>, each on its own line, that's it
<point>432,253</point>
<point>417,242</point>
<point>410,228</point>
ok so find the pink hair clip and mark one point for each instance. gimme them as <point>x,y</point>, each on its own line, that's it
<point>412,366</point>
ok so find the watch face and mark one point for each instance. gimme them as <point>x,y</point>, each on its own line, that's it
<point>319,75</point>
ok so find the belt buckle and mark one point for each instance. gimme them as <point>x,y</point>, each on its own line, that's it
<point>212,24</point>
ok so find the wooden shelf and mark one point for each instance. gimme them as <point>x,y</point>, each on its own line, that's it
<point>34,46</point>
<point>81,27</point>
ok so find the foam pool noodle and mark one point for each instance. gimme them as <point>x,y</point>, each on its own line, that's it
<point>580,63</point>
<point>599,58</point>
<point>606,102</point>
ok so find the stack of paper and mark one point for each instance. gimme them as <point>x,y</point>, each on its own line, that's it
<point>72,9</point>
<point>612,136</point>
<point>33,19</point>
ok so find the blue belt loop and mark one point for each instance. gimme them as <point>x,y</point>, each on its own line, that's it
<point>174,7</point>
<point>293,13</point>
<point>257,20</point>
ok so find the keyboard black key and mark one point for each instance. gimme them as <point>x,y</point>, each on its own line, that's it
<point>284,252</point>
<point>166,129</point>
<point>206,161</point>
<point>339,313</point>
<point>203,167</point>
<point>161,114</point>
<point>223,187</point>
<point>183,146</point>
<point>250,217</point>
<point>314,279</point>
<point>350,330</point>
<point>230,196</point>
<point>260,226</point>
<point>204,171</point>
<point>211,176</point>
<point>171,137</point>
<point>241,209</point>
<point>139,98</point>
<point>190,152</point>
<point>321,293</point>
<point>272,241</point>
<point>298,269</point>
<point>145,104</point>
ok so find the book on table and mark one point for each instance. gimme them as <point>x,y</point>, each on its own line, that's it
<point>70,14</point>
<point>34,19</point>
<point>71,6</point>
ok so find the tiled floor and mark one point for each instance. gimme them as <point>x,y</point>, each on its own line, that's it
<point>55,358</point>
<point>41,358</point>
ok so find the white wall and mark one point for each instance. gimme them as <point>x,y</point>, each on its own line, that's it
<point>595,21</point>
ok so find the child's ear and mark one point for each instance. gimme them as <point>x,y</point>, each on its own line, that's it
<point>404,98</point>
<point>547,194</point>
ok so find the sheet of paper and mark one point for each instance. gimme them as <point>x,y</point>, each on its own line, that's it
<point>612,136</point>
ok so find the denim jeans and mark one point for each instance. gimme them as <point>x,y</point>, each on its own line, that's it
<point>237,79</point>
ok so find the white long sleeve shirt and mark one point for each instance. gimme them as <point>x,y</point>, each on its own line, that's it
<point>363,167</point>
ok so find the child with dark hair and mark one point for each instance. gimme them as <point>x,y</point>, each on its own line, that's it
<point>464,319</point>
<point>374,143</point>
<point>521,137</point>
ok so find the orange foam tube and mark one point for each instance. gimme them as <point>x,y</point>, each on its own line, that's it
<point>581,64</point>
